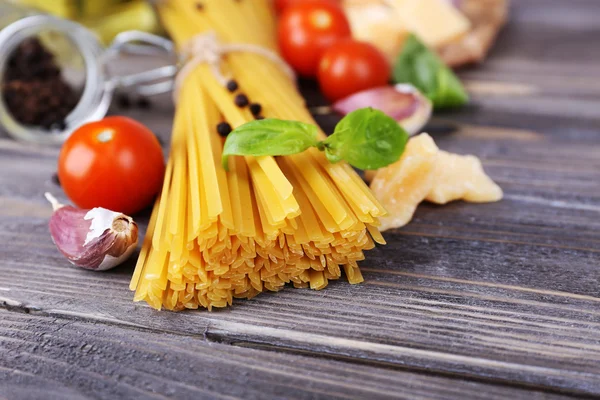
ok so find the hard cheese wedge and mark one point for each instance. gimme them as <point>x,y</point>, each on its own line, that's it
<point>462,177</point>
<point>436,22</point>
<point>400,187</point>
<point>377,24</point>
<point>426,173</point>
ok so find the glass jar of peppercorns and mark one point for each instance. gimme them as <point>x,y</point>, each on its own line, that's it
<point>50,78</point>
<point>54,76</point>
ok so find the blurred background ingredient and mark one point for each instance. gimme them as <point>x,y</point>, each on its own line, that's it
<point>306,29</point>
<point>106,18</point>
<point>351,45</point>
<point>33,88</point>
<point>462,31</point>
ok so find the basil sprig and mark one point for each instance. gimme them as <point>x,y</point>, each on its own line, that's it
<point>365,138</point>
<point>422,68</point>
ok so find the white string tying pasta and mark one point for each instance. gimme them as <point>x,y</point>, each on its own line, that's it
<point>206,48</point>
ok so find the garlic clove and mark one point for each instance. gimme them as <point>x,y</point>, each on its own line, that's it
<point>422,110</point>
<point>96,239</point>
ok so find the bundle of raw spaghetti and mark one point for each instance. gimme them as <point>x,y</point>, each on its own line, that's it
<point>215,234</point>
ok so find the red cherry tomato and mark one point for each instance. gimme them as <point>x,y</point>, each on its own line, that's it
<point>281,5</point>
<point>307,29</point>
<point>116,163</point>
<point>351,66</point>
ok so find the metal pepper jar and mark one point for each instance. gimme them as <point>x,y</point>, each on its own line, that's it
<point>85,64</point>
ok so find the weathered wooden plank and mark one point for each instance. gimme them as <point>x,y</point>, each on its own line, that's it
<point>44,357</point>
<point>505,292</point>
<point>469,306</point>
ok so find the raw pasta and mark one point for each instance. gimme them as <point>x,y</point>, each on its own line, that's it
<point>215,235</point>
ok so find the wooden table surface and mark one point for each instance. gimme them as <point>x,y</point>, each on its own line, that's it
<point>489,301</point>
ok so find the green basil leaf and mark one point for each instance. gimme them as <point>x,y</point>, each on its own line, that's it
<point>366,139</point>
<point>269,137</point>
<point>422,68</point>
<point>450,92</point>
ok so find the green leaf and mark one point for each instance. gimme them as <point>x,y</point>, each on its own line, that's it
<point>451,92</point>
<point>269,137</point>
<point>422,68</point>
<point>366,139</point>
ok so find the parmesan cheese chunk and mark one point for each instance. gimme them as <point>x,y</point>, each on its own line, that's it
<point>436,22</point>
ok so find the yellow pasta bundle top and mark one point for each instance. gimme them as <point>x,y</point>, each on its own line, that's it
<point>215,234</point>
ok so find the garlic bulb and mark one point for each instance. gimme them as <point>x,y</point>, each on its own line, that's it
<point>96,239</point>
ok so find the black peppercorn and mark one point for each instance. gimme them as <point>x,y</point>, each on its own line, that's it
<point>144,103</point>
<point>232,86</point>
<point>255,109</point>
<point>55,179</point>
<point>123,101</point>
<point>224,129</point>
<point>241,100</point>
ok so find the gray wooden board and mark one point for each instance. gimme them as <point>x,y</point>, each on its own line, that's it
<point>63,359</point>
<point>499,300</point>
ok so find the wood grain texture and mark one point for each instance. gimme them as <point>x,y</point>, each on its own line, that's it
<point>62,359</point>
<point>499,300</point>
